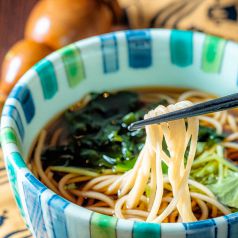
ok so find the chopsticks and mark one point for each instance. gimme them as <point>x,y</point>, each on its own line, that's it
<point>214,105</point>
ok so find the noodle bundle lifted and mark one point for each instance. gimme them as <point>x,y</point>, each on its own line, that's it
<point>168,172</point>
<point>148,169</point>
<point>147,172</point>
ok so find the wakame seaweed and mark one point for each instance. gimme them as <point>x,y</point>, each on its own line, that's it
<point>98,136</point>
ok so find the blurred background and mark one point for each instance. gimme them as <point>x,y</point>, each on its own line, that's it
<point>13,15</point>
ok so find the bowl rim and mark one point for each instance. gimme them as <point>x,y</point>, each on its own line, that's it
<point>25,79</point>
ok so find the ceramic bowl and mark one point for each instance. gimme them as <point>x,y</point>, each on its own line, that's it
<point>127,59</point>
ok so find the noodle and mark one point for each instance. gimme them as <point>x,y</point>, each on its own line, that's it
<point>213,122</point>
<point>211,201</point>
<point>145,193</point>
<point>95,181</point>
<point>56,136</point>
<point>38,164</point>
<point>203,208</point>
<point>104,184</point>
<point>94,195</point>
<point>103,210</point>
<point>233,136</point>
<point>189,94</point>
<point>61,185</point>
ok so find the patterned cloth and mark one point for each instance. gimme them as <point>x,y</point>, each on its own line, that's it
<point>11,223</point>
<point>217,17</point>
<point>211,16</point>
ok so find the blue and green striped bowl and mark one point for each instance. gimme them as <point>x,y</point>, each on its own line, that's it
<point>128,59</point>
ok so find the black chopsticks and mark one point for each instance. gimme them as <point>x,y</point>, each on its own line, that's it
<point>215,105</point>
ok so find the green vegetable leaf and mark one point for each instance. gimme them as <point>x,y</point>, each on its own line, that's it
<point>124,166</point>
<point>209,135</point>
<point>98,137</point>
<point>164,168</point>
<point>227,190</point>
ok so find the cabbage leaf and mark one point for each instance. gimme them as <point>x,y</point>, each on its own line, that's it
<point>226,189</point>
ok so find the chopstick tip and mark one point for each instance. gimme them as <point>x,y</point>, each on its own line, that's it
<point>130,127</point>
<point>133,126</point>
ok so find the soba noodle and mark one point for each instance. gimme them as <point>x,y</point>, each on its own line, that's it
<point>144,193</point>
